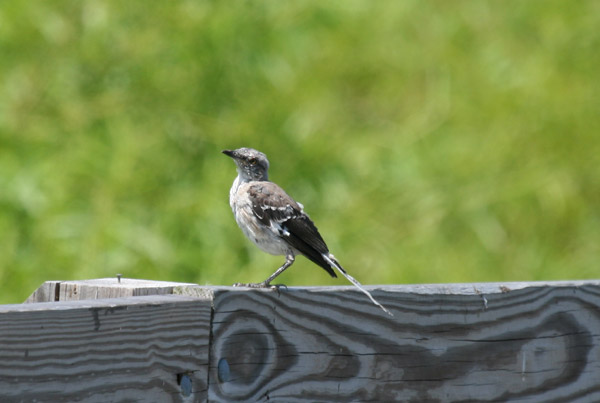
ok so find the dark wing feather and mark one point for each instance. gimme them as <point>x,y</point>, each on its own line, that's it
<point>297,230</point>
<point>270,204</point>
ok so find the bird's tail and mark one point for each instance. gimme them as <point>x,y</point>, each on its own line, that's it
<point>329,258</point>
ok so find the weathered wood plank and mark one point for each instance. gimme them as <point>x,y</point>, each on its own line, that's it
<point>529,342</point>
<point>152,348</point>
<point>101,288</point>
<point>453,342</point>
<point>47,292</point>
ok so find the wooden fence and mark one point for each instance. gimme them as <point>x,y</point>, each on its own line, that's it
<point>135,340</point>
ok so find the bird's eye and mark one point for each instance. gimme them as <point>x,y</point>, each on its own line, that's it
<point>252,161</point>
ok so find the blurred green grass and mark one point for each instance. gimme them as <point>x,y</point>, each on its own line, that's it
<point>430,141</point>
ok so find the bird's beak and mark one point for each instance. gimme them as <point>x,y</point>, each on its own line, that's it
<point>230,153</point>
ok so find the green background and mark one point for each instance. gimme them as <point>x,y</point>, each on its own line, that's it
<point>430,141</point>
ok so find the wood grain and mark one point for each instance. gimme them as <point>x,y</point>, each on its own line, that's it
<point>526,342</point>
<point>463,342</point>
<point>101,288</point>
<point>125,349</point>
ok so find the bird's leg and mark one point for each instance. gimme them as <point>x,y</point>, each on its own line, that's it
<point>289,259</point>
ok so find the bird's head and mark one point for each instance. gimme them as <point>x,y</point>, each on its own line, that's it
<point>252,165</point>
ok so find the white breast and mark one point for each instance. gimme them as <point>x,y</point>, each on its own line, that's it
<point>266,238</point>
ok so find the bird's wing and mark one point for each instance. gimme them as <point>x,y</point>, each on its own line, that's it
<point>278,211</point>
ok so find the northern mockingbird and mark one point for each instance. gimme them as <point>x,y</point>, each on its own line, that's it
<point>275,222</point>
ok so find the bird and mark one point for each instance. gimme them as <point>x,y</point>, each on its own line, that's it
<point>275,222</point>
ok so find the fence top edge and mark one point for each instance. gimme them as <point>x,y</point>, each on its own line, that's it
<point>104,303</point>
<point>439,288</point>
<point>186,292</point>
